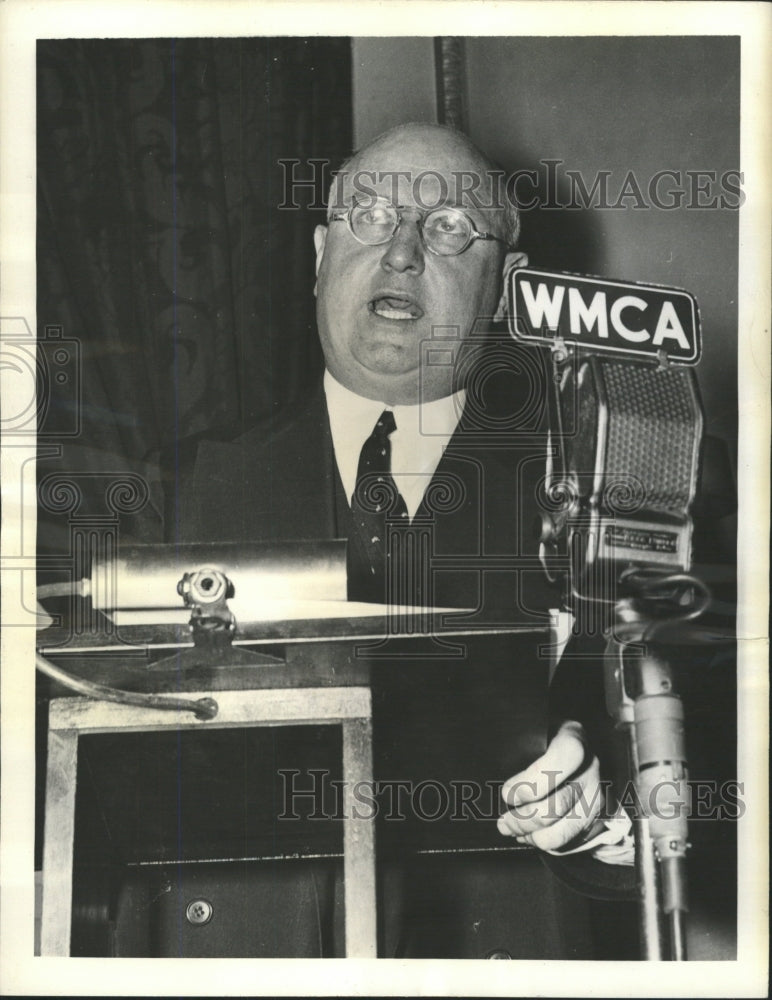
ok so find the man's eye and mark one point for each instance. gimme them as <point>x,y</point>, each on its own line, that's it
<point>447,223</point>
<point>377,216</point>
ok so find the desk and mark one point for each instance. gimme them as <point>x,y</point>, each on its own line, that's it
<point>349,707</point>
<point>307,673</point>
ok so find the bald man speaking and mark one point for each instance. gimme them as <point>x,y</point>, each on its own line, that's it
<point>410,269</point>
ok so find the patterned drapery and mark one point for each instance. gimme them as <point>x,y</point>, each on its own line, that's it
<point>166,250</point>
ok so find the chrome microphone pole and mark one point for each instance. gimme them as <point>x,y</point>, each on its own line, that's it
<point>641,697</point>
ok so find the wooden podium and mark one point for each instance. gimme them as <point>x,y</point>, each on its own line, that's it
<point>301,672</point>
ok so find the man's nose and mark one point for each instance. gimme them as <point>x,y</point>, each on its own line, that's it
<point>405,250</point>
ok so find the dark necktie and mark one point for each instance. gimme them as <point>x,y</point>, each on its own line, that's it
<point>376,505</point>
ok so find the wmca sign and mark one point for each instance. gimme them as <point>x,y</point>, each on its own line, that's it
<point>601,315</point>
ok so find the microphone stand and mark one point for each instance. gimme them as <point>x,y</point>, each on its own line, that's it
<point>641,697</point>
<point>582,533</point>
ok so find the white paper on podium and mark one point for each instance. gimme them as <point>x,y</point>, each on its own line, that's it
<point>247,612</point>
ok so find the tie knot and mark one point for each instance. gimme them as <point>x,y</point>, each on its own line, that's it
<point>386,424</point>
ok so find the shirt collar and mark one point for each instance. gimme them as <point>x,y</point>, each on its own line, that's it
<point>423,431</point>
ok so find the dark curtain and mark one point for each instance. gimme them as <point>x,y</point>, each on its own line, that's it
<point>171,263</point>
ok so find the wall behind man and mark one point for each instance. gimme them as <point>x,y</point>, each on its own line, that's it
<point>619,105</point>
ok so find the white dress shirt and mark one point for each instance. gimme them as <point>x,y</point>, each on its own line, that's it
<point>422,434</point>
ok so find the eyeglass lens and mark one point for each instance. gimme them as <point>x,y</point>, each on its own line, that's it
<point>445,230</point>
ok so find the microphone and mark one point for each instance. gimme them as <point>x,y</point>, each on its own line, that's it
<point>619,490</point>
<point>626,421</point>
<point>617,496</point>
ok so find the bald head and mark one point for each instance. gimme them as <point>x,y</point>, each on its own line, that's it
<point>452,165</point>
<point>432,137</point>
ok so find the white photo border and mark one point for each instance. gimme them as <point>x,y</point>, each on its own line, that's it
<point>21,22</point>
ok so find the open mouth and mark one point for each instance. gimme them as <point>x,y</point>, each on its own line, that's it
<point>395,307</point>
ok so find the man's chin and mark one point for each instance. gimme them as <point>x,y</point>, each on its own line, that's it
<point>385,379</point>
<point>388,360</point>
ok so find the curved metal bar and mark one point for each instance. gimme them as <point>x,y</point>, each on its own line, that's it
<point>202,708</point>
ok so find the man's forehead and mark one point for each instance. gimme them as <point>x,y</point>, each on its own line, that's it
<point>416,177</point>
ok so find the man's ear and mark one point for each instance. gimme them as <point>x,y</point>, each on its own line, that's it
<point>515,258</point>
<point>320,240</point>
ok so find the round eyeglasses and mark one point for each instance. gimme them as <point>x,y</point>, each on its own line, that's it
<point>444,231</point>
